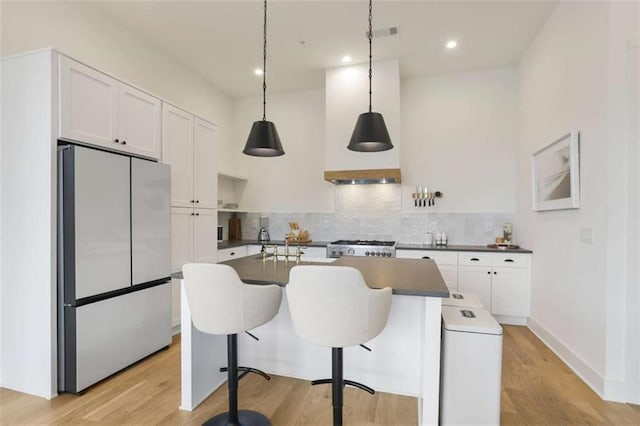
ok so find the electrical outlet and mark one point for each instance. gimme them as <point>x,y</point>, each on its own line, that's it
<point>325,224</point>
<point>586,235</point>
<point>488,227</point>
<point>254,223</point>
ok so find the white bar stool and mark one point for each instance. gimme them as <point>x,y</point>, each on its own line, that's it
<point>220,303</point>
<point>333,306</point>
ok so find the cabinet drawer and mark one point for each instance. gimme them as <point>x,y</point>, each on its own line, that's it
<point>440,257</point>
<point>231,253</point>
<point>510,260</point>
<point>474,258</point>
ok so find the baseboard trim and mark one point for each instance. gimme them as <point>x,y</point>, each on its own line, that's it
<point>583,370</point>
<point>511,320</point>
<point>175,329</point>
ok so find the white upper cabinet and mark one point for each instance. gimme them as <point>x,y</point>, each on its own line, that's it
<point>99,110</point>
<point>177,150</point>
<point>139,122</point>
<point>88,104</point>
<point>188,145</point>
<point>206,178</point>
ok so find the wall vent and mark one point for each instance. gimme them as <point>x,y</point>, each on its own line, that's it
<point>383,32</point>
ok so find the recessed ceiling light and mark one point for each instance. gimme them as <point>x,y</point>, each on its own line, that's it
<point>346,59</point>
<point>258,71</point>
<point>452,44</point>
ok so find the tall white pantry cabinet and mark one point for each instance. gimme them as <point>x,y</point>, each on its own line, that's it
<point>188,145</point>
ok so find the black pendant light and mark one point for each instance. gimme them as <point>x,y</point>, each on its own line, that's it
<point>263,138</point>
<point>370,133</point>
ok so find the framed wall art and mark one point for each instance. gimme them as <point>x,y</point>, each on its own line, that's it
<point>556,174</point>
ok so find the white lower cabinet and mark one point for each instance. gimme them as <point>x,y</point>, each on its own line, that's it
<point>476,280</point>
<point>311,252</point>
<point>447,262</point>
<point>510,292</point>
<point>500,280</point>
<point>194,238</point>
<point>253,249</point>
<point>232,253</point>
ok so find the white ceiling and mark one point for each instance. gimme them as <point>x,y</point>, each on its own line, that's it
<point>222,40</point>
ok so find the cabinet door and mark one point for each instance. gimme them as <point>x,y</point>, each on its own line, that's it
<point>181,237</point>
<point>138,122</point>
<point>450,276</point>
<point>175,303</point>
<point>510,292</point>
<point>476,280</point>
<point>205,235</point>
<point>177,151</point>
<point>204,164</point>
<point>88,105</point>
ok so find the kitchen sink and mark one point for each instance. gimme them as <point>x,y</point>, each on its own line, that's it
<point>319,259</point>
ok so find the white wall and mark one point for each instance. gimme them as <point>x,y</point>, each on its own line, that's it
<point>579,289</point>
<point>346,97</point>
<point>459,137</point>
<point>78,31</point>
<point>293,182</point>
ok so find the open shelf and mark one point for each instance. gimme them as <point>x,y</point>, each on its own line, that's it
<point>230,190</point>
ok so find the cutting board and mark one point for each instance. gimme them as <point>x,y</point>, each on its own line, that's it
<point>235,228</point>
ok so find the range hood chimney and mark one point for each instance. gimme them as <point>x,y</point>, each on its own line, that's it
<point>370,176</point>
<point>345,99</point>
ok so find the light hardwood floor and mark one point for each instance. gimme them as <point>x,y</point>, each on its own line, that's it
<point>538,389</point>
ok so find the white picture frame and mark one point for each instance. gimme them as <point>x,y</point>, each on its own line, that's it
<point>555,171</point>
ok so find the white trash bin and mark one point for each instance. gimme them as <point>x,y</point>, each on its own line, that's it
<point>467,300</point>
<point>471,367</point>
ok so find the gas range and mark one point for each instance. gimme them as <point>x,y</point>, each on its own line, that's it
<point>369,248</point>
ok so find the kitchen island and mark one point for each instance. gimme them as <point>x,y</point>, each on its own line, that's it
<point>405,357</point>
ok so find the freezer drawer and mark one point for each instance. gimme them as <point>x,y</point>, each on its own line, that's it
<point>106,336</point>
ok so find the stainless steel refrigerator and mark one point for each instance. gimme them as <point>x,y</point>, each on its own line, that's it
<point>114,263</point>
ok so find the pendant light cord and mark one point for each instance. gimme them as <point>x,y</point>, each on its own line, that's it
<point>264,67</point>
<point>370,54</point>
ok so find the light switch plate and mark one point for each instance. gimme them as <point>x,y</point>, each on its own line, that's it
<point>325,224</point>
<point>488,227</point>
<point>254,223</point>
<point>586,235</point>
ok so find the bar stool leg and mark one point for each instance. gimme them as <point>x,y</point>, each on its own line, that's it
<point>232,378</point>
<point>235,417</point>
<point>337,385</point>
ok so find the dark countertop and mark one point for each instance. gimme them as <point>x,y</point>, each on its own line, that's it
<point>230,244</point>
<point>409,246</point>
<point>400,246</point>
<point>410,277</point>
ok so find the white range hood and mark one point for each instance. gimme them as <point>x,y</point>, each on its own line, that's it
<point>347,96</point>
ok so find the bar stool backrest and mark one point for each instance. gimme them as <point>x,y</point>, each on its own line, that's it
<point>333,306</point>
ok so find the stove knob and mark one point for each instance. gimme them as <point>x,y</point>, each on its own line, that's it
<point>378,253</point>
<point>366,253</point>
<point>334,252</point>
<point>351,252</point>
<point>341,252</point>
<point>388,254</point>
